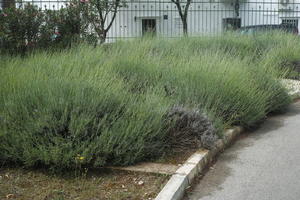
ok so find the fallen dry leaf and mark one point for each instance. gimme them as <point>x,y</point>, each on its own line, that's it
<point>141,183</point>
<point>9,196</point>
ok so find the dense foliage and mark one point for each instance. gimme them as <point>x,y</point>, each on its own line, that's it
<point>27,27</point>
<point>111,105</point>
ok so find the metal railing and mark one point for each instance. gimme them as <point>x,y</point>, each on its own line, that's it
<point>205,17</point>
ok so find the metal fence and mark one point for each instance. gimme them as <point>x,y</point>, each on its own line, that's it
<point>205,17</point>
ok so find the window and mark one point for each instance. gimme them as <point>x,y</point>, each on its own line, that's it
<point>230,24</point>
<point>149,27</point>
<point>293,22</point>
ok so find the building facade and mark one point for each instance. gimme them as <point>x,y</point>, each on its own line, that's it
<point>205,17</point>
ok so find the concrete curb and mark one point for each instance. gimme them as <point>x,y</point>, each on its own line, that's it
<point>184,176</point>
<point>296,96</point>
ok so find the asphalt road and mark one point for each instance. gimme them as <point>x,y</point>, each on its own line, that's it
<point>264,165</point>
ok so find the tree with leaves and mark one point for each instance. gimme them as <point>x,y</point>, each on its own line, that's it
<point>101,15</point>
<point>183,8</point>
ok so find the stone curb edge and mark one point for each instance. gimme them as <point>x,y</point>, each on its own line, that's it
<point>184,176</point>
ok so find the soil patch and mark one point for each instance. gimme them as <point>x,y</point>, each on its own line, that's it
<point>16,183</point>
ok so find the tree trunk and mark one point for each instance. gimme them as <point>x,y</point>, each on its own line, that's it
<point>183,14</point>
<point>185,26</point>
<point>103,37</point>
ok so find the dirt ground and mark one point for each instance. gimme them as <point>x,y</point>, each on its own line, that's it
<point>22,184</point>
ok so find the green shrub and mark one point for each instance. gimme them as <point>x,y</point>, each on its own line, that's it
<point>20,28</point>
<point>50,118</point>
<point>285,56</point>
<point>109,105</point>
<point>28,28</point>
<point>212,79</point>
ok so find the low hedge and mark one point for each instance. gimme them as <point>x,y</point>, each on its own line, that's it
<point>111,105</point>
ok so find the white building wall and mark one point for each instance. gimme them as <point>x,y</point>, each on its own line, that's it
<point>269,12</point>
<point>203,18</point>
<point>290,10</point>
<point>207,18</point>
<point>258,13</point>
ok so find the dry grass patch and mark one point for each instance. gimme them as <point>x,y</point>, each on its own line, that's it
<point>95,185</point>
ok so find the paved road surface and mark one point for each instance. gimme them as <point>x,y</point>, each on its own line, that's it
<point>265,165</point>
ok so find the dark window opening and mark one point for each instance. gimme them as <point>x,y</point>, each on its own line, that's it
<point>149,27</point>
<point>293,22</point>
<point>231,24</point>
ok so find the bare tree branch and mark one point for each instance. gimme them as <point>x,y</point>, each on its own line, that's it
<point>183,13</point>
<point>114,15</point>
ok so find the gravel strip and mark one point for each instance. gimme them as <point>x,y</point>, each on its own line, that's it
<point>293,86</point>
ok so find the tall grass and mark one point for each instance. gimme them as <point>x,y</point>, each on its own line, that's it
<point>108,105</point>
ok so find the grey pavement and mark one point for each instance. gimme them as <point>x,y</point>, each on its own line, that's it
<point>263,165</point>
